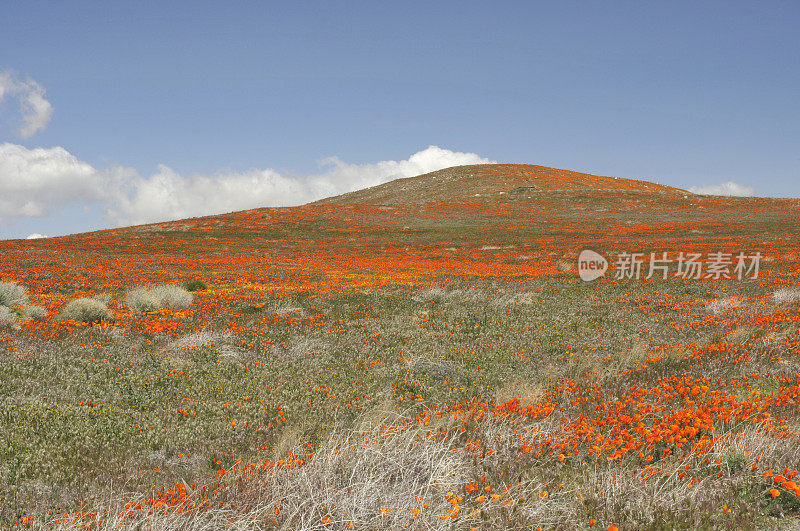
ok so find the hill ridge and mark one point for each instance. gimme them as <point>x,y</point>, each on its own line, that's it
<point>487,182</point>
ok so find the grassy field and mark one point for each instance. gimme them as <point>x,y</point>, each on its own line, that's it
<point>426,366</point>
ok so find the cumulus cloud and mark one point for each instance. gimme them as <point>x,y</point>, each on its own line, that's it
<point>341,177</point>
<point>169,195</point>
<point>33,181</point>
<point>35,236</point>
<point>35,110</point>
<point>729,188</point>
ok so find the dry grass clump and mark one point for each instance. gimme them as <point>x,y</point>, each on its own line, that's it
<point>14,304</point>
<point>385,479</point>
<point>35,312</point>
<point>787,295</point>
<point>668,498</point>
<point>719,306</point>
<point>7,317</point>
<point>86,310</point>
<point>153,298</point>
<point>357,477</point>
<point>528,392</point>
<point>12,294</point>
<point>356,480</point>
<point>563,266</point>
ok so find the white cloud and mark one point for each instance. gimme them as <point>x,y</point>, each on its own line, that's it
<point>169,195</point>
<point>33,181</point>
<point>35,236</point>
<point>35,110</point>
<point>342,177</point>
<point>729,188</point>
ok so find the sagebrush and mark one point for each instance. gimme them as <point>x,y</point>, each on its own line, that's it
<point>153,298</point>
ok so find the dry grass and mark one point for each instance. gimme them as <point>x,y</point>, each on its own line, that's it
<point>12,294</point>
<point>369,480</point>
<point>787,295</point>
<point>719,306</point>
<point>153,298</point>
<point>393,477</point>
<point>86,310</point>
<point>371,466</point>
<point>7,317</point>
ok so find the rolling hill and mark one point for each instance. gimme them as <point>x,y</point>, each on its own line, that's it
<point>419,354</point>
<point>491,182</point>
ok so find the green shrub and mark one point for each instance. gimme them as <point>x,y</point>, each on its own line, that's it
<point>12,294</point>
<point>86,310</point>
<point>153,298</point>
<point>195,285</point>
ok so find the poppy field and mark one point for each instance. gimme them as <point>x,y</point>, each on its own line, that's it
<point>384,365</point>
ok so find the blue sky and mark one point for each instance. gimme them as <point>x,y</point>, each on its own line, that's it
<point>153,98</point>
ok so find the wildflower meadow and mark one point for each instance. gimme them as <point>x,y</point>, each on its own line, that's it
<point>370,363</point>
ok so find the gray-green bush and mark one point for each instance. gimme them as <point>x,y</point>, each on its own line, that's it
<point>153,298</point>
<point>12,294</point>
<point>787,295</point>
<point>86,310</point>
<point>35,312</point>
<point>7,317</point>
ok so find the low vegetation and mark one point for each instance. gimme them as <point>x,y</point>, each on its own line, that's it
<point>86,310</point>
<point>12,294</point>
<point>787,295</point>
<point>427,366</point>
<point>7,317</point>
<point>153,298</point>
<point>419,407</point>
<point>195,285</point>
<point>14,305</point>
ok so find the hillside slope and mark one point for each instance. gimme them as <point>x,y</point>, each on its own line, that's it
<point>491,182</point>
<point>360,363</point>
